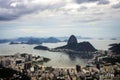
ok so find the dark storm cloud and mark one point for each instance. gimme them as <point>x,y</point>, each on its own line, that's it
<point>12,9</point>
<point>90,1</point>
<point>8,12</point>
<point>11,14</point>
<point>103,2</point>
<point>8,17</point>
<point>116,6</point>
<point>5,3</point>
<point>85,1</point>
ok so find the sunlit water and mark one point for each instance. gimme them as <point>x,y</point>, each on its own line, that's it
<point>58,59</point>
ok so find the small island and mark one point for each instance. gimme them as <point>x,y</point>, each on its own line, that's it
<point>40,47</point>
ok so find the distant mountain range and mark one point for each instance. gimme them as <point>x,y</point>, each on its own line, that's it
<point>50,39</point>
<point>5,40</point>
<point>30,40</point>
<point>37,40</point>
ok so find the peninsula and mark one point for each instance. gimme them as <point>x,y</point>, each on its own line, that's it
<point>83,49</point>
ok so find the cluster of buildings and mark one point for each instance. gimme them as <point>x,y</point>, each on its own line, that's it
<point>25,63</point>
<point>17,61</point>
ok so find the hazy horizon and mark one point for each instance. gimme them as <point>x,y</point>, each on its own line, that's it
<point>59,18</point>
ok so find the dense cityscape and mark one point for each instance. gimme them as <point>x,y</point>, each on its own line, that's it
<point>25,64</point>
<point>105,65</point>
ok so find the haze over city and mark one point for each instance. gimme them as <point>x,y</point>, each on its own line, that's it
<point>44,18</point>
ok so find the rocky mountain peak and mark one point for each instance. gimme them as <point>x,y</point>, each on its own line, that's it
<point>72,40</point>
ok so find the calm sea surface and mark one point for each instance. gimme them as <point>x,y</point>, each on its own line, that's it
<point>58,59</point>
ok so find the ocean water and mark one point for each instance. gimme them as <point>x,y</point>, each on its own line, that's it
<point>58,59</point>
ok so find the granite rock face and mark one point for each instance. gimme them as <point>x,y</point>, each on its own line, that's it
<point>85,46</point>
<point>72,40</point>
<point>74,45</point>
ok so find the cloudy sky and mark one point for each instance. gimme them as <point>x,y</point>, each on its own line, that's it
<point>44,18</point>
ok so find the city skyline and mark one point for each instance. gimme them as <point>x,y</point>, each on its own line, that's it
<point>87,18</point>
